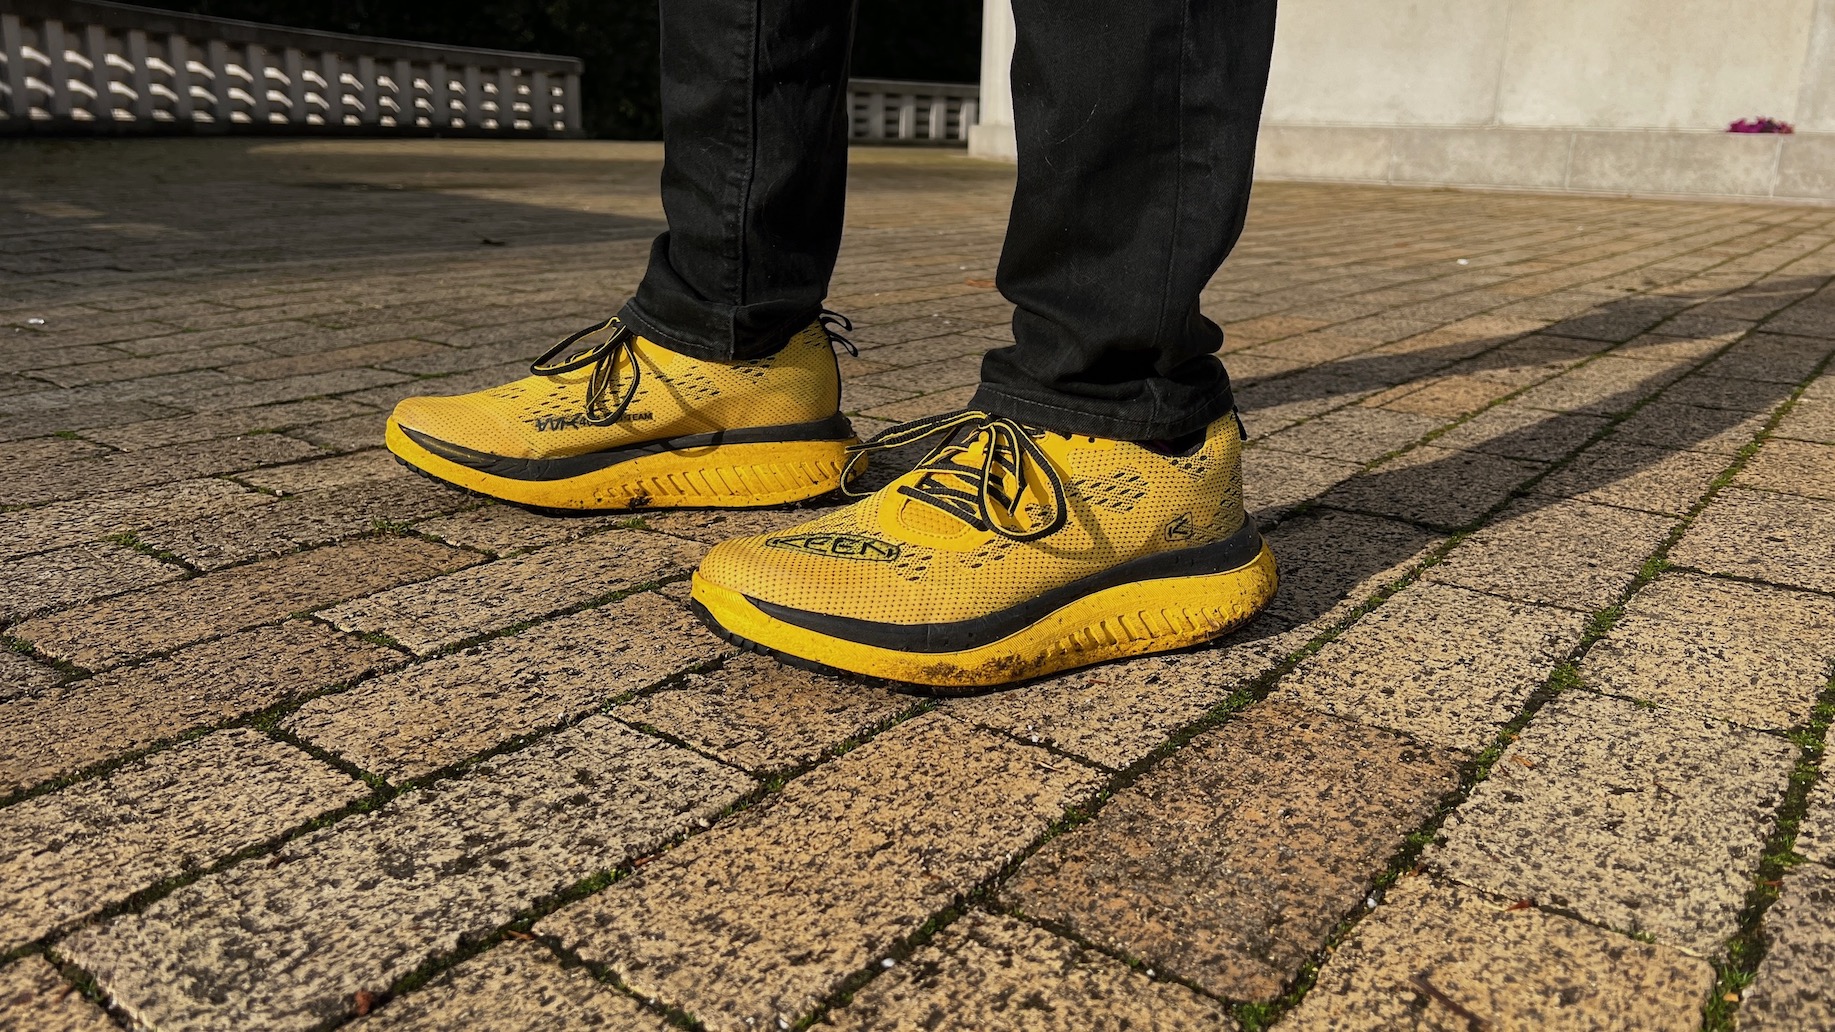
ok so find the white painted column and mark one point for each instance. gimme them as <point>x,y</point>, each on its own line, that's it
<point>992,136</point>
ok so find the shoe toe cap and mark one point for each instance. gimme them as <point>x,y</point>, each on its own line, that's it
<point>454,421</point>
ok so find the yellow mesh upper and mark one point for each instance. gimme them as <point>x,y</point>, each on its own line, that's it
<point>892,559</point>
<point>537,417</point>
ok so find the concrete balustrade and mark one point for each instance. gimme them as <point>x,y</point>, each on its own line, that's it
<point>70,65</point>
<point>894,111</point>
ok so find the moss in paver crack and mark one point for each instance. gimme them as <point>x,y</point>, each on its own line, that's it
<point>1746,949</point>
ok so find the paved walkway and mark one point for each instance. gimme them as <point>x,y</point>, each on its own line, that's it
<point>292,740</point>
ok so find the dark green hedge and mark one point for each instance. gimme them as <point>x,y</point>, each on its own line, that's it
<point>899,39</point>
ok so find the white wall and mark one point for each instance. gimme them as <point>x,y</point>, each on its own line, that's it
<point>1572,64</point>
<point>1594,96</point>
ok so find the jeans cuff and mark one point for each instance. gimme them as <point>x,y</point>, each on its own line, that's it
<point>633,316</point>
<point>1095,423</point>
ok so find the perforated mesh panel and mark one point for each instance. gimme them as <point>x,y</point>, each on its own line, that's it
<point>541,416</point>
<point>956,573</point>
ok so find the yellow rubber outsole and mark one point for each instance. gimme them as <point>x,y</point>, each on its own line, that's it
<point>1134,619</point>
<point>713,476</point>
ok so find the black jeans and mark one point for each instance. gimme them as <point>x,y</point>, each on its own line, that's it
<point>1136,124</point>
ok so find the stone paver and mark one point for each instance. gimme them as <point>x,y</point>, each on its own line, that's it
<point>506,528</point>
<point>20,675</point>
<point>1795,983</point>
<point>1792,467</point>
<point>1443,958</point>
<point>989,971</point>
<point>287,943</point>
<point>65,855</point>
<point>1355,435</point>
<point>1275,482</point>
<point>155,378</point>
<point>1557,553</point>
<point>431,615</point>
<point>117,630</point>
<point>84,722</point>
<point>1636,476</point>
<point>1810,419</point>
<point>412,722</point>
<point>1117,716</point>
<point>34,996</point>
<point>1771,537</point>
<point>1674,427</point>
<point>1436,486</point>
<point>515,987</point>
<point>1518,432</point>
<point>303,519</point>
<point>1747,653</point>
<point>1816,832</point>
<point>84,520</point>
<point>883,837</point>
<point>761,715</point>
<point>80,573</point>
<point>1446,665</point>
<point>1229,864</point>
<point>1331,562</point>
<point>125,472</point>
<point>1643,820</point>
<point>1603,387</point>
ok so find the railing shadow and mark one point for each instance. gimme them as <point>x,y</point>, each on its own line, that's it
<point>1333,579</point>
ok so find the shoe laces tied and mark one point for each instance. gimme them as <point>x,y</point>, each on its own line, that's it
<point>602,356</point>
<point>837,326</point>
<point>950,479</point>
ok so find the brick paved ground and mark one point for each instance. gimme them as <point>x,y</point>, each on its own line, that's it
<point>291,740</point>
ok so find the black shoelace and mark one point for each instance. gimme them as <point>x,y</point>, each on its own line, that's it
<point>603,357</point>
<point>975,495</point>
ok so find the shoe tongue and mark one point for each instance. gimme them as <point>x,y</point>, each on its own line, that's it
<point>928,519</point>
<point>958,469</point>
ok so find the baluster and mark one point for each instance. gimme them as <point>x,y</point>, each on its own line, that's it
<point>254,62</point>
<point>968,116</point>
<point>474,97</point>
<point>331,69</point>
<point>876,116</point>
<point>57,70</point>
<point>140,78</point>
<point>439,95</point>
<point>506,100</point>
<point>570,103</point>
<point>95,47</point>
<point>937,122</point>
<point>12,39</point>
<point>216,54</point>
<point>366,91</point>
<point>541,103</point>
<point>907,117</point>
<point>404,94</point>
<point>293,63</point>
<point>178,55</point>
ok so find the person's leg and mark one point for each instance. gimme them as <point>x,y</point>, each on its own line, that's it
<point>1136,127</point>
<point>717,385</point>
<point>1088,506</point>
<point>755,127</point>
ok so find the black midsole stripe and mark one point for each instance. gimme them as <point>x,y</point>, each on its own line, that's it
<point>1232,553</point>
<point>834,428</point>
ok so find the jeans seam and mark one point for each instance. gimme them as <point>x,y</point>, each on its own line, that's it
<point>749,171</point>
<point>1161,330</point>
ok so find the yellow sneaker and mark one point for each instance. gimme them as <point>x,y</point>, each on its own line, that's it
<point>610,420</point>
<point>1009,553</point>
